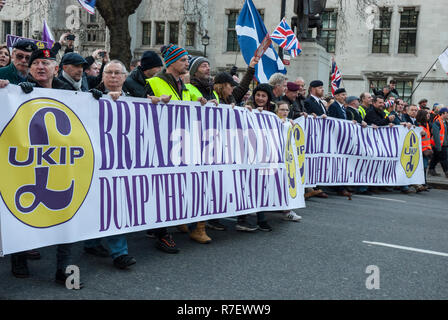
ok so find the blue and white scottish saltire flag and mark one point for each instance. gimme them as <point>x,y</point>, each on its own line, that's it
<point>286,39</point>
<point>89,5</point>
<point>251,31</point>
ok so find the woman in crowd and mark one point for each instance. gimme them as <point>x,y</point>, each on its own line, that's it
<point>423,122</point>
<point>5,57</point>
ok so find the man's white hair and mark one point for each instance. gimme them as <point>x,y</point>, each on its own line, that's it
<point>277,79</point>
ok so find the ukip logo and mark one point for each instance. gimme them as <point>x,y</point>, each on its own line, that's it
<point>46,164</point>
<point>410,155</point>
<point>295,143</point>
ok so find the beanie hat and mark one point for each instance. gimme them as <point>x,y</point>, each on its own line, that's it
<point>195,62</point>
<point>225,77</point>
<point>149,60</point>
<point>263,87</point>
<point>172,53</point>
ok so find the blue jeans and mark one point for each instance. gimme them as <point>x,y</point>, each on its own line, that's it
<point>118,245</point>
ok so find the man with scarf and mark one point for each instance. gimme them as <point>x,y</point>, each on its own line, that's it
<point>73,72</point>
<point>201,84</point>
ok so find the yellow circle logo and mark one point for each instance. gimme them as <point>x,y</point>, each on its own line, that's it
<point>410,155</point>
<point>299,138</point>
<point>46,164</point>
<point>290,164</point>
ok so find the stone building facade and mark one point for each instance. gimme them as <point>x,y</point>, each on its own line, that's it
<point>372,44</point>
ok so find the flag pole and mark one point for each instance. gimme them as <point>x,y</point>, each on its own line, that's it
<point>421,80</point>
<point>282,16</point>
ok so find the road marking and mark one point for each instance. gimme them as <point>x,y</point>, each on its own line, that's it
<point>407,248</point>
<point>372,197</point>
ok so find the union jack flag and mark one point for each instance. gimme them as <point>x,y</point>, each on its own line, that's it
<point>286,39</point>
<point>336,77</point>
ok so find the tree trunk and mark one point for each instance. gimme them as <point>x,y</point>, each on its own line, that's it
<point>116,15</point>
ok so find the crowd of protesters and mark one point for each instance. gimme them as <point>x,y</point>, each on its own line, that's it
<point>175,75</point>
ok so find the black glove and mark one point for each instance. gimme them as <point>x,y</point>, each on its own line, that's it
<point>27,87</point>
<point>97,94</point>
<point>233,70</point>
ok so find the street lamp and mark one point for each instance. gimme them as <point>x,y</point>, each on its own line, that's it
<point>205,40</point>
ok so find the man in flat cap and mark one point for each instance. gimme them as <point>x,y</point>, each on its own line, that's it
<point>314,104</point>
<point>337,108</point>
<point>17,71</point>
<point>73,71</point>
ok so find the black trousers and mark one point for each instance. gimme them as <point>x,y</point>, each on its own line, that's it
<point>440,156</point>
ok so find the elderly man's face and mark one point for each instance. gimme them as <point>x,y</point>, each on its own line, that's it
<point>301,85</point>
<point>114,76</point>
<point>20,59</point>
<point>43,70</point>
<point>412,112</point>
<point>340,97</point>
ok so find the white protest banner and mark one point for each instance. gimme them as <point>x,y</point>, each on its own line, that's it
<point>339,152</point>
<point>74,168</point>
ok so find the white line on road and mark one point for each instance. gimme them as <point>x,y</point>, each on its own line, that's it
<point>372,197</point>
<point>407,248</point>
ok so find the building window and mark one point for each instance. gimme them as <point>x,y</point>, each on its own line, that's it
<point>190,35</point>
<point>329,23</point>
<point>232,38</point>
<point>92,18</point>
<point>160,33</point>
<point>408,30</point>
<point>381,35</point>
<point>6,29</point>
<point>174,32</point>
<point>146,34</point>
<point>404,88</point>
<point>18,28</point>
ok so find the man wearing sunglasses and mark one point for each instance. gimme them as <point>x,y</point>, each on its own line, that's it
<point>17,71</point>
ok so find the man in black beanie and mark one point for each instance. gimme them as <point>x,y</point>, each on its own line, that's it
<point>150,64</point>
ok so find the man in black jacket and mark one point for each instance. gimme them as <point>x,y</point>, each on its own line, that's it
<point>314,104</point>
<point>375,114</point>
<point>73,72</point>
<point>135,84</point>
<point>337,108</point>
<point>291,94</point>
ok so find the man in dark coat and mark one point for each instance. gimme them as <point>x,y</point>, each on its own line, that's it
<point>17,70</point>
<point>314,104</point>
<point>337,108</point>
<point>73,72</point>
<point>291,94</point>
<point>375,114</point>
<point>135,84</point>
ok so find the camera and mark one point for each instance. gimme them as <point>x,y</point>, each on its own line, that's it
<point>102,54</point>
<point>71,37</point>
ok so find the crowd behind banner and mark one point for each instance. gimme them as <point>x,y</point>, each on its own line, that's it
<point>174,75</point>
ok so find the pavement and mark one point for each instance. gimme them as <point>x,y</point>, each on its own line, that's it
<point>438,182</point>
<point>394,241</point>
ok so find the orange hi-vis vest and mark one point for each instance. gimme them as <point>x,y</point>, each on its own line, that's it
<point>427,141</point>
<point>442,130</point>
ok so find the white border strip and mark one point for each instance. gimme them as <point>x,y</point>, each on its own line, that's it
<point>407,248</point>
